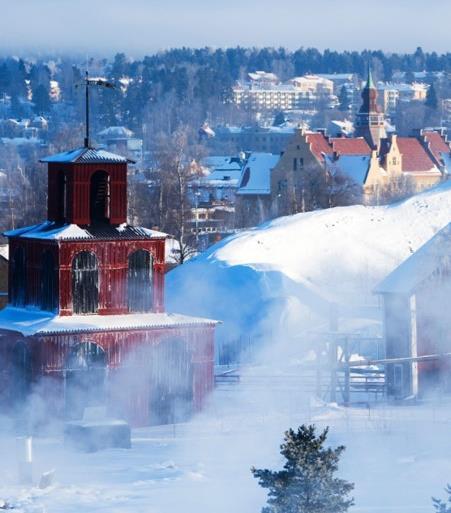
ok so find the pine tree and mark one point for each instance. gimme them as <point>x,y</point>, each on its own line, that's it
<point>307,483</point>
<point>279,119</point>
<point>431,98</point>
<point>41,100</point>
<point>17,110</point>
<point>343,100</point>
<point>442,506</point>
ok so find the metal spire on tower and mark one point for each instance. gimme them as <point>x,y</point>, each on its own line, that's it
<point>88,82</point>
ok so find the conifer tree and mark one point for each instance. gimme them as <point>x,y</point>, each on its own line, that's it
<point>41,100</point>
<point>343,100</point>
<point>307,483</point>
<point>431,98</point>
<point>442,506</point>
<point>279,119</point>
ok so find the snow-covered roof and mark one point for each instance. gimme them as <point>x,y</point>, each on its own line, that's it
<point>86,156</point>
<point>354,166</point>
<point>419,266</point>
<point>334,255</point>
<point>223,163</point>
<point>116,132</point>
<point>52,231</point>
<point>256,174</point>
<point>227,176</point>
<point>19,141</point>
<point>31,321</point>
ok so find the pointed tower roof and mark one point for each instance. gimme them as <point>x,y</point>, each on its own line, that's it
<point>87,156</point>
<point>370,82</point>
<point>370,121</point>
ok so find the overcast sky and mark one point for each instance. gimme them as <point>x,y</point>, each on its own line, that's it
<point>143,26</point>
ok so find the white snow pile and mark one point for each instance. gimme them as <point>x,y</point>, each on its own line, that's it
<point>299,265</point>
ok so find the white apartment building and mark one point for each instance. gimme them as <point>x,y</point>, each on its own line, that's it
<point>264,92</point>
<point>393,93</point>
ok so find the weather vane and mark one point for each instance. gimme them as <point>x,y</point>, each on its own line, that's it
<point>88,82</point>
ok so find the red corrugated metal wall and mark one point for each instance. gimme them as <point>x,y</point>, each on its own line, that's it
<point>78,177</point>
<point>128,389</point>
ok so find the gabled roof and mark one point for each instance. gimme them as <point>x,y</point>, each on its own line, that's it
<point>87,156</point>
<point>318,144</point>
<point>354,166</point>
<point>437,144</point>
<point>256,175</point>
<point>412,273</point>
<point>350,146</point>
<point>415,158</point>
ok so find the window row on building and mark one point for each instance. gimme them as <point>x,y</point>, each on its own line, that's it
<point>85,280</point>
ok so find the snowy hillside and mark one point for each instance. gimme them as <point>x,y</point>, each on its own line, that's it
<point>307,260</point>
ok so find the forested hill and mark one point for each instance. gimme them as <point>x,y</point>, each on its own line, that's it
<point>198,79</point>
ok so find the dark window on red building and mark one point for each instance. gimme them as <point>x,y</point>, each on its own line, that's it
<point>172,378</point>
<point>19,278</point>
<point>85,283</point>
<point>139,287</point>
<point>49,283</point>
<point>85,378</point>
<point>100,197</point>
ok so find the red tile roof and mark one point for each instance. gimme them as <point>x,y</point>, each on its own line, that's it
<point>437,144</point>
<point>414,157</point>
<point>319,144</point>
<point>350,146</point>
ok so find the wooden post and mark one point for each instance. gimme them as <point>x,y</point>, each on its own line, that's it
<point>333,370</point>
<point>318,372</point>
<point>347,373</point>
<point>333,327</point>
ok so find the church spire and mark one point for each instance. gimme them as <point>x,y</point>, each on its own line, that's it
<point>370,121</point>
<point>369,82</point>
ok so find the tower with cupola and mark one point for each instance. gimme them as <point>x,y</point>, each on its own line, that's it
<point>86,302</point>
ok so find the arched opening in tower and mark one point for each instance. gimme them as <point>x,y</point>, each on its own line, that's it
<point>85,371</point>
<point>139,281</point>
<point>99,204</point>
<point>85,283</point>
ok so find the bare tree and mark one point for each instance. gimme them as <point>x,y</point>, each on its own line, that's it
<point>177,158</point>
<point>397,188</point>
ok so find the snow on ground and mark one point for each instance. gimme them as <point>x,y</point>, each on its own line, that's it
<point>334,255</point>
<point>397,457</point>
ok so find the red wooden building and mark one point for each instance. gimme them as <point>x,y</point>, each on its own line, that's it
<point>86,324</point>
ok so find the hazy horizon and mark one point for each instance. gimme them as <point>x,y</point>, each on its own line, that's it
<point>104,27</point>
